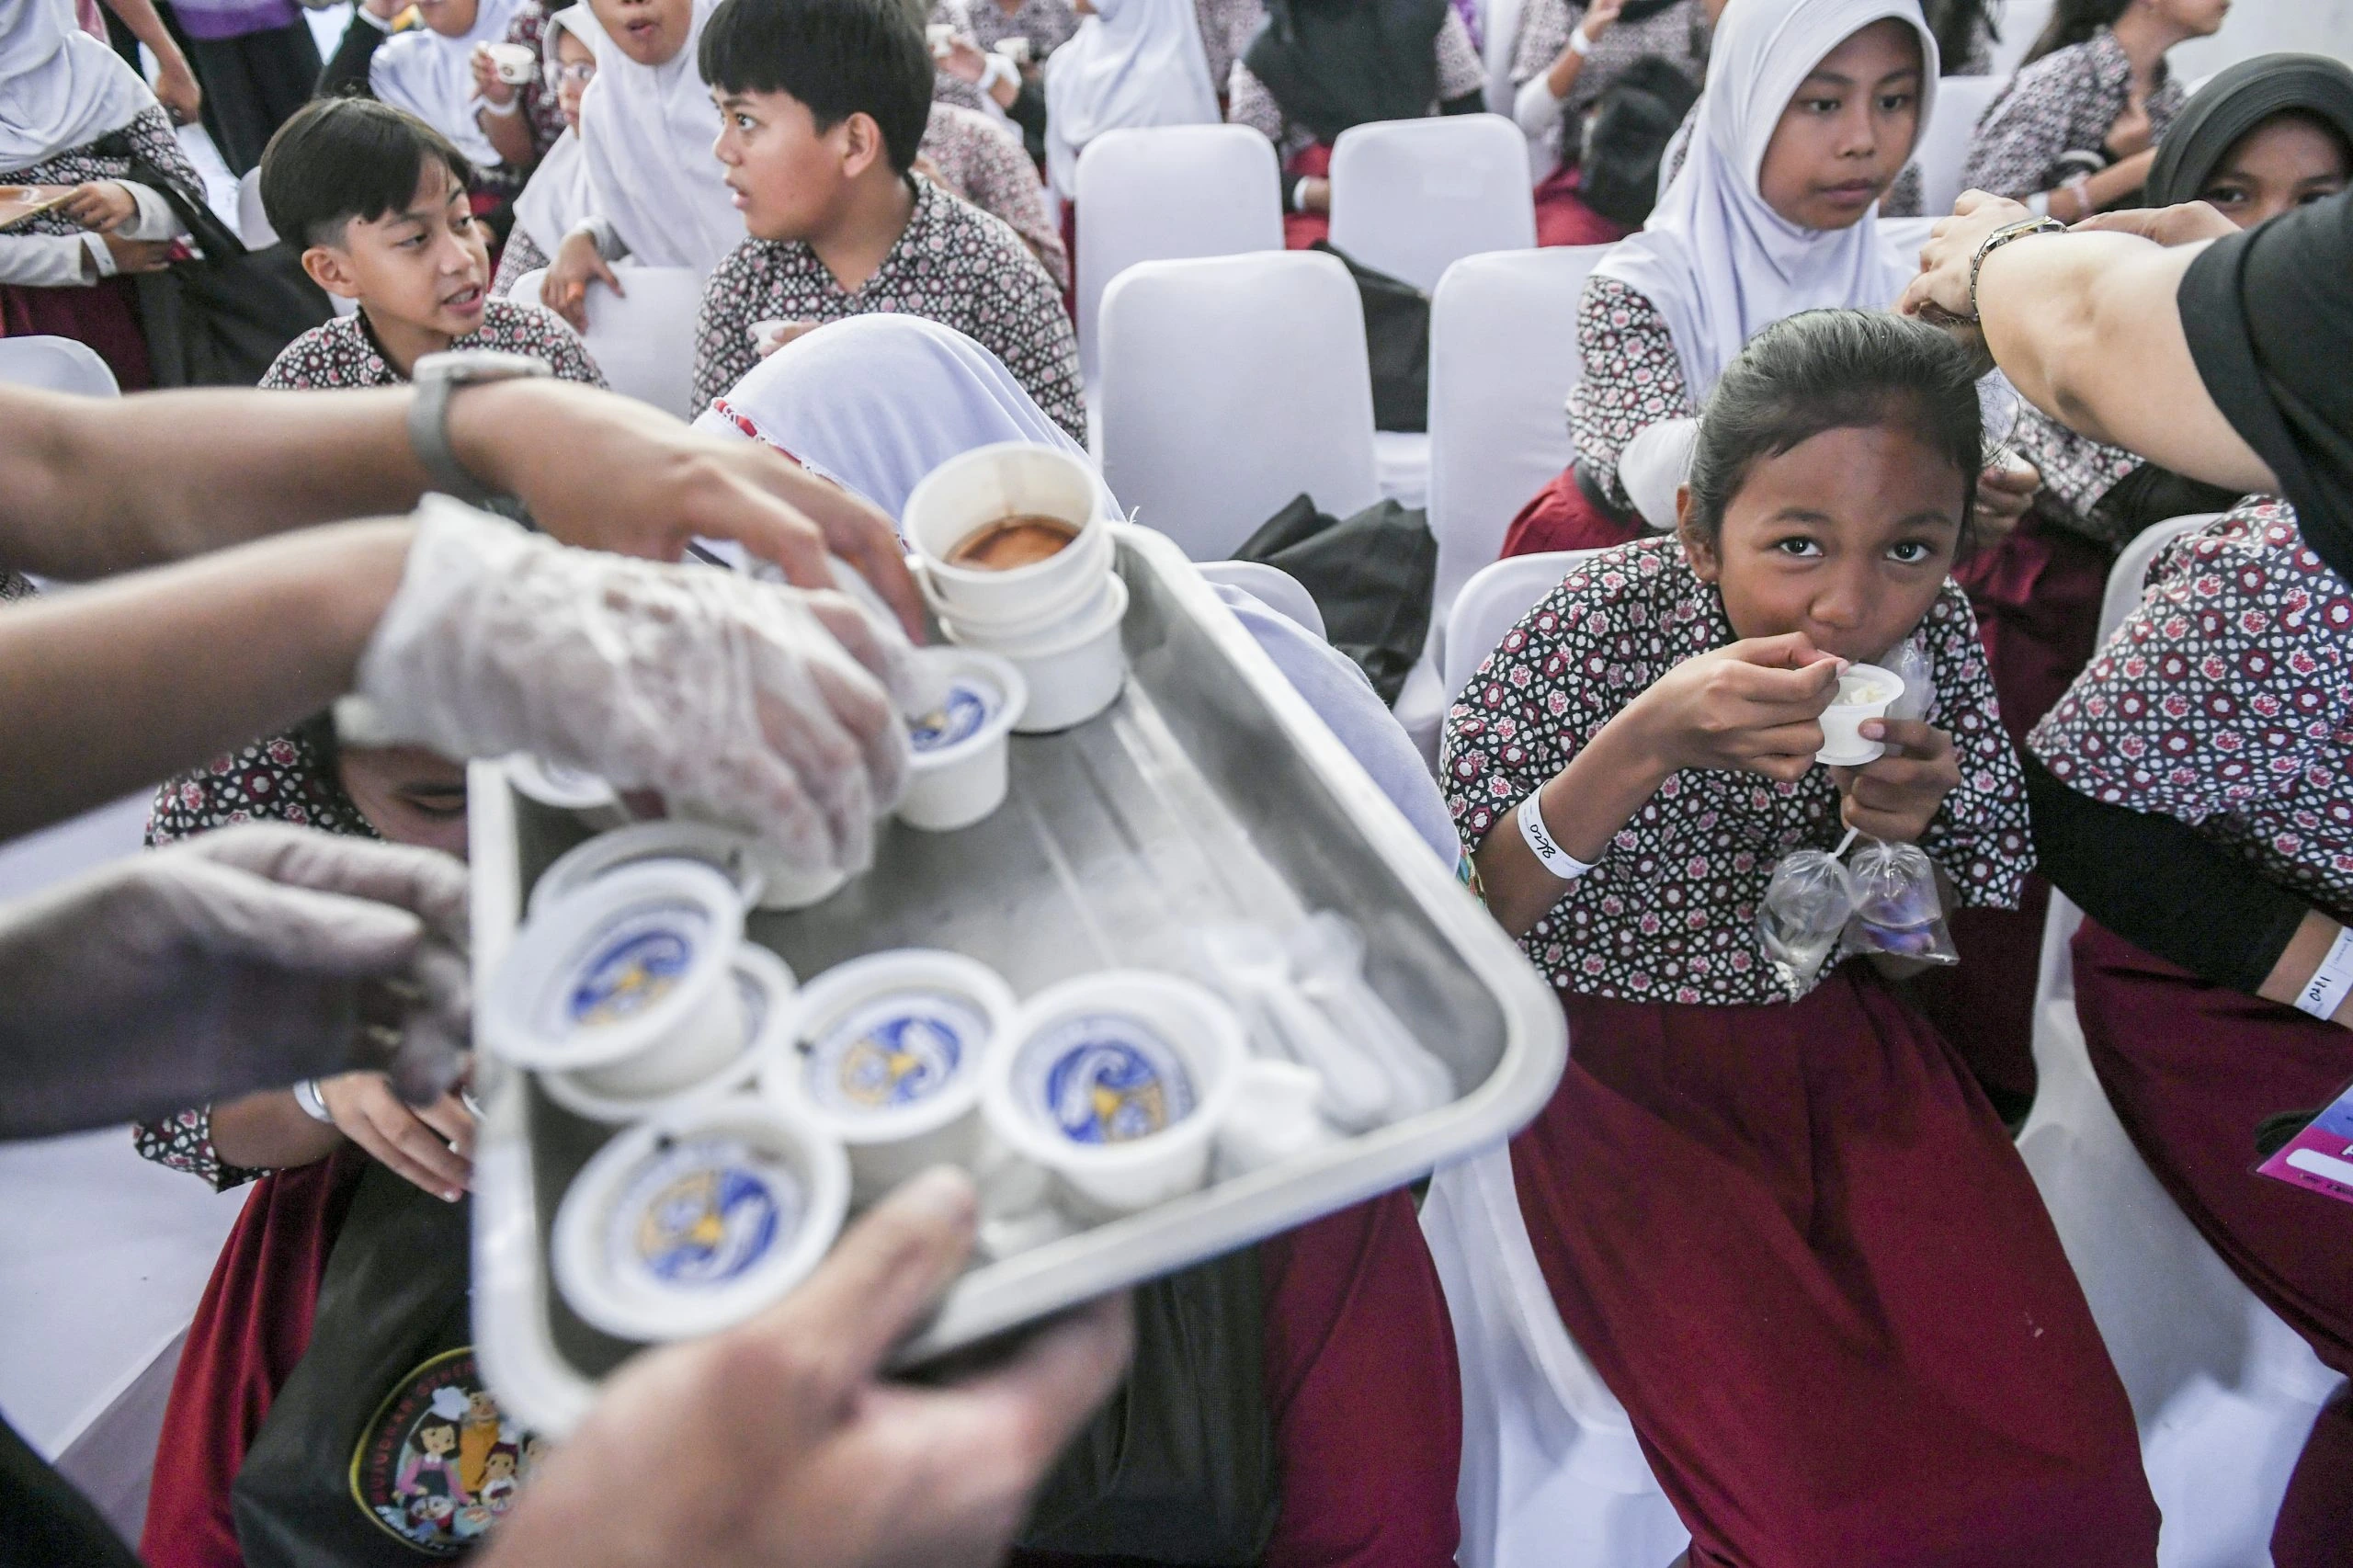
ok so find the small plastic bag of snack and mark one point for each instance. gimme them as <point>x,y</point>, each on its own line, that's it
<point>1908,661</point>
<point>1806,907</point>
<point>1896,907</point>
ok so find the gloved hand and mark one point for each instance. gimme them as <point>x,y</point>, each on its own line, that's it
<point>238,961</point>
<point>754,706</point>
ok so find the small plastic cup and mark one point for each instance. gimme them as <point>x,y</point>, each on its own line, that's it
<point>629,984</point>
<point>514,62</point>
<point>989,485</point>
<point>766,989</point>
<point>563,788</point>
<point>1864,693</point>
<point>887,1053</point>
<point>761,875</point>
<point>938,36</point>
<point>958,773</point>
<point>1015,49</point>
<point>1118,1083</point>
<point>1073,671</point>
<point>694,1220</point>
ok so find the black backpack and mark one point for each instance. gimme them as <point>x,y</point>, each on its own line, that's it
<point>1633,121</point>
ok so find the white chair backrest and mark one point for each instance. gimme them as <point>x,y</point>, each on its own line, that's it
<point>1499,40</point>
<point>1231,386</point>
<point>1167,193</point>
<point>644,340</point>
<point>56,364</point>
<point>1411,197</point>
<point>1503,359</point>
<point>1961,101</point>
<point>1271,586</point>
<point>253,223</point>
<point>1491,604</point>
<point>2130,573</point>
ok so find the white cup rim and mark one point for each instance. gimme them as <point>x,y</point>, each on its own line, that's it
<point>663,838</point>
<point>1051,641</point>
<point>1013,698</point>
<point>772,976</point>
<point>861,980</point>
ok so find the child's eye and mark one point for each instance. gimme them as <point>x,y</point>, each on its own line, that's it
<point>2224,196</point>
<point>743,123</point>
<point>1911,552</point>
<point>1798,546</point>
<point>1894,103</point>
<point>1822,106</point>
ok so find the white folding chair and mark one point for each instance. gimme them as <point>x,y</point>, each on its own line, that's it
<point>1271,586</point>
<point>56,364</point>
<point>1502,360</point>
<point>1231,386</point>
<point>644,340</point>
<point>1411,197</point>
<point>2223,1390</point>
<point>253,223</point>
<point>1961,101</point>
<point>1167,193</point>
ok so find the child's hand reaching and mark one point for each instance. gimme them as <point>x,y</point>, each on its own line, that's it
<point>430,1147</point>
<point>102,205</point>
<point>1895,799</point>
<point>1754,707</point>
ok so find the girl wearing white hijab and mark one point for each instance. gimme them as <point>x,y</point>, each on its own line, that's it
<point>72,115</point>
<point>557,196</point>
<point>1132,62</point>
<point>428,71</point>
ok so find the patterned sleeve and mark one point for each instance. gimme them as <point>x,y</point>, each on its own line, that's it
<point>2077,473</point>
<point>2019,139</point>
<point>2224,688</point>
<point>1248,103</point>
<point>1979,835</point>
<point>152,139</point>
<point>1460,71</point>
<point>997,177</point>
<point>724,349</point>
<point>552,339</point>
<point>1632,379</point>
<point>291,370</point>
<point>1035,339</point>
<point>521,256</point>
<point>184,1142</point>
<point>1543,32</point>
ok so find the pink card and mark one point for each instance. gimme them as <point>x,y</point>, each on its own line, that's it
<point>2320,1158</point>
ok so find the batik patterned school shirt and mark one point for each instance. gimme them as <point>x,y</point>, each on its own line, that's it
<point>1249,103</point>
<point>1632,380</point>
<point>955,265</point>
<point>2077,473</point>
<point>342,353</point>
<point>976,158</point>
<point>1047,24</point>
<point>1669,914</point>
<point>1227,28</point>
<point>2063,103</point>
<point>148,137</point>
<point>2225,701</point>
<point>1676,35</point>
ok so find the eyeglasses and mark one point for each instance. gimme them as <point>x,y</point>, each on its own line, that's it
<point>579,73</point>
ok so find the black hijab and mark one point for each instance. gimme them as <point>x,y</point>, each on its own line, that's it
<point>2238,99</point>
<point>1332,64</point>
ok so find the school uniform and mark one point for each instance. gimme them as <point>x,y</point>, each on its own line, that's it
<point>1671,30</point>
<point>343,352</point>
<point>976,158</point>
<point>954,264</point>
<point>1787,1229</point>
<point>2062,104</point>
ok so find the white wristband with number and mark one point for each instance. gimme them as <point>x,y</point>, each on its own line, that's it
<point>314,1104</point>
<point>1547,849</point>
<point>2326,990</point>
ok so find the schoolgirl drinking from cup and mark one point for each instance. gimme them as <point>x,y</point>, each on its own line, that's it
<point>1775,1211</point>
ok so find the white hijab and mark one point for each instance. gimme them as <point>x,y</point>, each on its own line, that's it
<point>647,131</point>
<point>557,195</point>
<point>1719,264</point>
<point>60,88</point>
<point>1134,63</point>
<point>433,78</point>
<point>874,402</point>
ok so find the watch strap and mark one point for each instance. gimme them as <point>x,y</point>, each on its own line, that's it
<point>436,378</point>
<point>1996,240</point>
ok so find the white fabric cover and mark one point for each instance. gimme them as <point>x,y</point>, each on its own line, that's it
<point>875,402</point>
<point>647,131</point>
<point>644,340</point>
<point>253,219</point>
<point>432,76</point>
<point>1491,604</point>
<point>60,88</point>
<point>1498,42</point>
<point>55,364</point>
<point>1231,384</point>
<point>1133,63</point>
<point>1411,197</point>
<point>2223,1390</point>
<point>1720,264</point>
<point>1271,586</point>
<point>1166,194</point>
<point>1961,101</point>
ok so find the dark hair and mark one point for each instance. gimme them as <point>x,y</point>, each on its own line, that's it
<point>836,57</point>
<point>1839,369</point>
<point>340,159</point>
<point>2073,22</point>
<point>1633,121</point>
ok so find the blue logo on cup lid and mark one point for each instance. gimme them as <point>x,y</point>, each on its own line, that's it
<point>1105,1078</point>
<point>893,1051</point>
<point>630,973</point>
<point>701,1214</point>
<point>959,717</point>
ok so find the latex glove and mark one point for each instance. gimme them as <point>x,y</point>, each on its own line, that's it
<point>754,706</point>
<point>243,959</point>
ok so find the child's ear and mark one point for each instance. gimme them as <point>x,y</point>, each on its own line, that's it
<point>862,144</point>
<point>330,269</point>
<point>1697,549</point>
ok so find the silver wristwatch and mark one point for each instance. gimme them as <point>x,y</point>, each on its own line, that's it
<point>436,378</point>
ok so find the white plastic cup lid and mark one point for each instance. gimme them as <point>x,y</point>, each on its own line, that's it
<point>1103,1078</point>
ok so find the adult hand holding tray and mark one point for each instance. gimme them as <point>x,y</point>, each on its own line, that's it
<point>1208,792</point>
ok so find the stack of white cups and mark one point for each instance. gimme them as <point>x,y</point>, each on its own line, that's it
<point>1057,619</point>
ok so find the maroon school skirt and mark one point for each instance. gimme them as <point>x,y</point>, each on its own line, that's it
<point>1563,218</point>
<point>252,1326</point>
<point>105,316</point>
<point>2191,1069</point>
<point>1798,1245</point>
<point>1563,516</point>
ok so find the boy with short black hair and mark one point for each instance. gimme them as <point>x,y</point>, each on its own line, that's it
<point>822,105</point>
<point>376,200</point>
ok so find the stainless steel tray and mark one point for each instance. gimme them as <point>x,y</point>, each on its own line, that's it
<point>1209,791</point>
